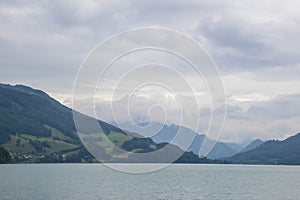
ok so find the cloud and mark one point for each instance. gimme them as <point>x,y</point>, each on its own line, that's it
<point>279,108</point>
<point>266,119</point>
<point>254,43</point>
<point>274,118</point>
<point>240,37</point>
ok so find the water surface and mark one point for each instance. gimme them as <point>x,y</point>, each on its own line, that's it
<point>95,181</point>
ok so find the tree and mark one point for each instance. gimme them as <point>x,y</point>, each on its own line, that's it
<point>4,156</point>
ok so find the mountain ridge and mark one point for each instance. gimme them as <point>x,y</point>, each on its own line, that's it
<point>170,134</point>
<point>253,145</point>
<point>37,128</point>
<point>285,152</point>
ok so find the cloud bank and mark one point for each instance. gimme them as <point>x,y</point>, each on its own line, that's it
<point>254,44</point>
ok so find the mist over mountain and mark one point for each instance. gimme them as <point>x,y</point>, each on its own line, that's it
<point>36,128</point>
<point>178,135</point>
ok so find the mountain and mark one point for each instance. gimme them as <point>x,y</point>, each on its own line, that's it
<point>168,134</point>
<point>33,112</point>
<point>236,147</point>
<point>253,145</point>
<point>31,91</point>
<point>286,152</point>
<point>36,128</point>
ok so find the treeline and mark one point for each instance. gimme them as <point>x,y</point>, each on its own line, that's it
<point>4,156</point>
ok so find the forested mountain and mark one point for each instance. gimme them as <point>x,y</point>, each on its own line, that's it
<point>36,128</point>
<point>272,152</point>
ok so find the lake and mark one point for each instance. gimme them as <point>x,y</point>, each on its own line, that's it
<point>95,181</point>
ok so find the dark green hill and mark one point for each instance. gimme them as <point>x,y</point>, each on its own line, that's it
<point>286,152</point>
<point>28,113</point>
<point>36,128</point>
<point>4,156</point>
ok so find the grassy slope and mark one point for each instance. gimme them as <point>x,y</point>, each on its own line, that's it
<point>25,147</point>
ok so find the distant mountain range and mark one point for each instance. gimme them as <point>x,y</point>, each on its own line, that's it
<point>36,128</point>
<point>168,133</point>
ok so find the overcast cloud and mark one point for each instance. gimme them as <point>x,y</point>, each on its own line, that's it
<point>254,43</point>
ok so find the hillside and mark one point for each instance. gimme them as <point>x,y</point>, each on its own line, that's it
<point>168,133</point>
<point>272,152</point>
<point>36,128</point>
<point>253,145</point>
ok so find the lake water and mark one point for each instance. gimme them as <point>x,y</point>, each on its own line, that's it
<point>95,181</point>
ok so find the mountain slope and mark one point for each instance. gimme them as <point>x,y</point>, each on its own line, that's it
<point>27,113</point>
<point>272,152</point>
<point>168,133</point>
<point>236,147</point>
<point>253,145</point>
<point>31,91</point>
<point>36,128</point>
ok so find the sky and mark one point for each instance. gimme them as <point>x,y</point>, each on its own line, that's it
<point>254,44</point>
